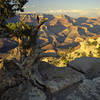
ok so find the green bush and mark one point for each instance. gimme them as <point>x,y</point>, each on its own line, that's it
<point>98,50</point>
<point>92,43</point>
<point>20,29</point>
<point>83,54</point>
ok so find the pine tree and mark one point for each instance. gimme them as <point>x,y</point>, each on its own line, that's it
<point>28,64</point>
<point>8,8</point>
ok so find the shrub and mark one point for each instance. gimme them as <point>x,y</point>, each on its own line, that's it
<point>83,54</point>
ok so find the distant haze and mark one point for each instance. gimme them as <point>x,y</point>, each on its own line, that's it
<point>74,8</point>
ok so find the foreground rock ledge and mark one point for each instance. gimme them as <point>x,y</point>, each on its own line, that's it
<point>57,79</point>
<point>69,83</point>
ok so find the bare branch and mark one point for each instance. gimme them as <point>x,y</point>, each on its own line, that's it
<point>35,31</point>
<point>18,64</point>
<point>41,23</point>
<point>25,60</point>
<point>36,76</point>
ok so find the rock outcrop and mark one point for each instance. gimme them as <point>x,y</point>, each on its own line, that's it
<point>80,80</point>
<point>88,65</point>
<point>6,44</point>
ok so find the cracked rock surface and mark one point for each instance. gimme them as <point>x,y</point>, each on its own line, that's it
<point>80,80</point>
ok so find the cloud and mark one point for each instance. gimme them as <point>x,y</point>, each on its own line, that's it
<point>77,13</point>
<point>29,8</point>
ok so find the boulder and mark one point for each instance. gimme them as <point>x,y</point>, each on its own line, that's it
<point>86,90</point>
<point>88,65</point>
<point>24,91</point>
<point>57,79</point>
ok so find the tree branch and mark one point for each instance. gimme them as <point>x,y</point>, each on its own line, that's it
<point>35,31</point>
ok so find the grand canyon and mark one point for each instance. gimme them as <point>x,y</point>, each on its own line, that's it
<point>64,32</point>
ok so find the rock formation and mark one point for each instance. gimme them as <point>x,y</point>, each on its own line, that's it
<point>80,80</point>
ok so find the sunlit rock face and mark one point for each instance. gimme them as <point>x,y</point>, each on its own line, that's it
<point>63,32</point>
<point>62,26</point>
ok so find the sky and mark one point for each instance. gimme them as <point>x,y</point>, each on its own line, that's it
<point>74,8</point>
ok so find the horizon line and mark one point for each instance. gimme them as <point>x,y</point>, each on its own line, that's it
<point>57,14</point>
